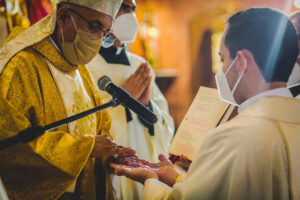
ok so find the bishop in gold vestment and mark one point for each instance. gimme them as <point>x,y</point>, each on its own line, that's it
<point>35,82</point>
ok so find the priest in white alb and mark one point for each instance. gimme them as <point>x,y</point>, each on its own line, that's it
<point>135,75</point>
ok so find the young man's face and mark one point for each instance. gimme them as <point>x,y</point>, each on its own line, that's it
<point>230,64</point>
<point>224,53</point>
<point>227,62</point>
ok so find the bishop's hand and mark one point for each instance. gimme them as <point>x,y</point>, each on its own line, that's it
<point>104,147</point>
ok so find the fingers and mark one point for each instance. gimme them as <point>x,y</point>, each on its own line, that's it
<point>184,159</point>
<point>105,147</point>
<point>147,80</point>
<point>134,161</point>
<point>145,162</point>
<point>142,72</point>
<point>143,68</point>
<point>138,81</point>
<point>162,158</point>
<point>118,42</point>
<point>118,169</point>
<point>104,139</point>
<point>122,170</point>
<point>122,151</point>
<point>142,78</point>
<point>140,69</point>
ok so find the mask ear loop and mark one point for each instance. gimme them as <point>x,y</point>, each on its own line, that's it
<point>73,21</point>
<point>241,76</point>
<point>233,62</point>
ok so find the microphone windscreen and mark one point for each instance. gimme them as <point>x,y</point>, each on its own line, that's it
<point>103,82</point>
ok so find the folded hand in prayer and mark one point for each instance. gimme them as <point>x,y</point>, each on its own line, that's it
<point>138,84</point>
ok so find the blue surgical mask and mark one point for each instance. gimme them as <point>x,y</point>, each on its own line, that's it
<point>108,42</point>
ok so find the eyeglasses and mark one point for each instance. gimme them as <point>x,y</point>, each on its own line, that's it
<point>94,28</point>
<point>127,8</point>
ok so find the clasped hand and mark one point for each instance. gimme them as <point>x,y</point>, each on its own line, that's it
<point>138,84</point>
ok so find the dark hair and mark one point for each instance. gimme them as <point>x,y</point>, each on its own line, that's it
<point>270,36</point>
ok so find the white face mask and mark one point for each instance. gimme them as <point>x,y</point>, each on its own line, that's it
<point>224,91</point>
<point>125,27</point>
<point>295,76</point>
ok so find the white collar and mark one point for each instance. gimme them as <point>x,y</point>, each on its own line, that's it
<point>279,92</point>
<point>119,50</point>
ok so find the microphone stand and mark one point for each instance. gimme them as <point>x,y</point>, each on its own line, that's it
<point>34,132</point>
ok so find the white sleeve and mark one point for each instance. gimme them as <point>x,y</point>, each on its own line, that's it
<point>154,189</point>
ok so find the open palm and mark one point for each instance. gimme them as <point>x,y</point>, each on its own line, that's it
<point>138,169</point>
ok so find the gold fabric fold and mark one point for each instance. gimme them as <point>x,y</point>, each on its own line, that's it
<point>20,40</point>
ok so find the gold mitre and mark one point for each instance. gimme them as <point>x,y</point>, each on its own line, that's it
<point>108,7</point>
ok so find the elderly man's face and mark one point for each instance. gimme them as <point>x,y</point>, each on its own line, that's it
<point>86,19</point>
<point>126,7</point>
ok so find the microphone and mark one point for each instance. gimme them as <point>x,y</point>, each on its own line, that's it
<point>121,95</point>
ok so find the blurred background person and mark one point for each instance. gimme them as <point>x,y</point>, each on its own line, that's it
<point>134,74</point>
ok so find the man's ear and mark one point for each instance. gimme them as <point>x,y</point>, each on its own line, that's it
<point>245,57</point>
<point>63,16</point>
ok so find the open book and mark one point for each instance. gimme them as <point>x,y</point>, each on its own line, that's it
<point>206,112</point>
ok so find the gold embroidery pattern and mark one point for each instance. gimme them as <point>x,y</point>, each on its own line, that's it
<point>28,96</point>
<point>86,125</point>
